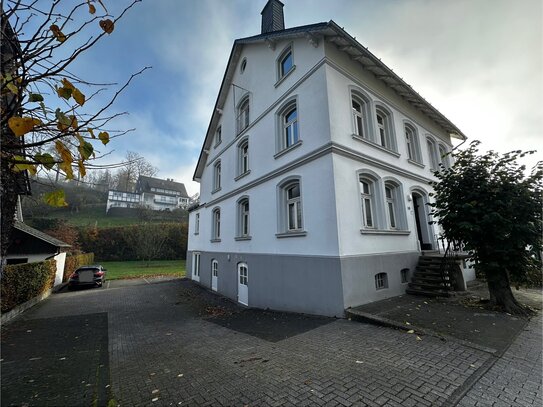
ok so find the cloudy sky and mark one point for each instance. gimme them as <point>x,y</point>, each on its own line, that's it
<point>480,62</point>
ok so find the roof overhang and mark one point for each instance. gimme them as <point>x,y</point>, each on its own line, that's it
<point>333,33</point>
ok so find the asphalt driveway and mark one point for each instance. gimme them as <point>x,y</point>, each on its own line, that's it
<point>172,343</point>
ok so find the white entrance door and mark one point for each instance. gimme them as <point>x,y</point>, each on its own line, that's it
<point>196,266</point>
<point>243,284</point>
<point>214,274</point>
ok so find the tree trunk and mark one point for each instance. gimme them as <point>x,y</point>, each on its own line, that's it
<point>499,288</point>
<point>8,199</point>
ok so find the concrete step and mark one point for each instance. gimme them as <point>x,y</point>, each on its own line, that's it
<point>426,279</point>
<point>428,293</point>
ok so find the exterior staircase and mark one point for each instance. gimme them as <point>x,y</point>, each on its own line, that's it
<point>430,278</point>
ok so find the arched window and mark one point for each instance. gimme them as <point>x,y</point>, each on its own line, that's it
<point>360,106</point>
<point>285,62</point>
<point>385,128</point>
<point>288,129</point>
<point>290,212</point>
<point>395,206</point>
<point>217,176</point>
<point>412,141</point>
<point>243,157</point>
<point>290,126</point>
<point>218,136</point>
<point>432,153</point>
<point>243,114</point>
<point>243,218</point>
<point>216,222</point>
<point>367,192</point>
<point>444,156</point>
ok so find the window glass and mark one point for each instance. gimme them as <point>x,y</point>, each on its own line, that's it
<point>286,63</point>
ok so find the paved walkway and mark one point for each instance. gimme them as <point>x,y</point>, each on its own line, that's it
<point>172,343</point>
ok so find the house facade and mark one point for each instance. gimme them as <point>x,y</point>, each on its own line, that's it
<point>314,174</point>
<point>153,193</point>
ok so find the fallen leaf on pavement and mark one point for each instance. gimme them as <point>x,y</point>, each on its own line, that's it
<point>411,331</point>
<point>407,323</point>
<point>419,338</point>
<point>154,391</point>
<point>359,361</point>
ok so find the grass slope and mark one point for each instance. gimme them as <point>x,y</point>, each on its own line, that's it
<point>137,269</point>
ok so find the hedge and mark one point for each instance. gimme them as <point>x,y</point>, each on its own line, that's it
<point>113,244</point>
<point>73,262</point>
<point>22,282</point>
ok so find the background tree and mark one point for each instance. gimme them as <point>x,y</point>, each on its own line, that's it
<point>43,123</point>
<point>487,202</point>
<point>133,166</point>
<point>148,240</point>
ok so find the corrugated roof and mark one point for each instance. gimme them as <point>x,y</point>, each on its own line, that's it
<point>23,227</point>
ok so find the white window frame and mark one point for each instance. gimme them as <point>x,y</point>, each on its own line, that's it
<point>214,268</point>
<point>244,114</point>
<point>386,139</point>
<point>243,157</point>
<point>197,224</point>
<point>244,216</point>
<point>431,145</point>
<point>412,141</point>
<point>216,225</point>
<point>196,266</point>
<point>288,132</point>
<point>368,197</point>
<point>381,281</point>
<point>288,50</point>
<point>290,226</point>
<point>218,136</point>
<point>443,156</point>
<point>217,170</point>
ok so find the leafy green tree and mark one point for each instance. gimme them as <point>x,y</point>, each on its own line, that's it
<point>487,202</point>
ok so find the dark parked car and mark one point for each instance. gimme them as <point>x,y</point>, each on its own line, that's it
<point>88,276</point>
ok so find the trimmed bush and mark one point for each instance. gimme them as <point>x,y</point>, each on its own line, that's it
<point>73,262</point>
<point>114,244</point>
<point>22,282</point>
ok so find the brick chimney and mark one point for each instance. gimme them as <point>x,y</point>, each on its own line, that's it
<point>272,17</point>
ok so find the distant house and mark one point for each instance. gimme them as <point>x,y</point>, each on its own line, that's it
<point>154,193</point>
<point>314,174</point>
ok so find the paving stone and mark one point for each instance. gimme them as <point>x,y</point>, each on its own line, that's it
<point>232,356</point>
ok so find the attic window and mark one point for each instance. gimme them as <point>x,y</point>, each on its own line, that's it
<point>243,65</point>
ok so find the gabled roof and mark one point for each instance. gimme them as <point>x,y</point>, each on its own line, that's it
<point>146,183</point>
<point>333,33</point>
<point>23,227</point>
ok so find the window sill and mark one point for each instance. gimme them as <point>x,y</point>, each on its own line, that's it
<point>216,190</point>
<point>240,176</point>
<point>416,163</point>
<point>373,144</point>
<point>282,79</point>
<point>385,232</point>
<point>288,149</point>
<point>301,233</point>
<point>242,238</point>
<point>215,240</point>
<point>196,233</point>
<point>217,144</point>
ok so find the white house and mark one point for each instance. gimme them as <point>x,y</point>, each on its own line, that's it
<point>314,174</point>
<point>153,193</point>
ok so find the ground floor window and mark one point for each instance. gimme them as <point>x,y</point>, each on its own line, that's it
<point>196,266</point>
<point>381,281</point>
<point>405,275</point>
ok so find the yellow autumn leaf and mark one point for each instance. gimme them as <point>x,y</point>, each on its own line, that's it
<point>82,170</point>
<point>55,198</point>
<point>78,97</point>
<point>21,165</point>
<point>22,125</point>
<point>92,9</point>
<point>67,168</point>
<point>91,132</point>
<point>73,122</point>
<point>64,152</point>
<point>67,84</point>
<point>107,25</point>
<point>104,137</point>
<point>57,33</point>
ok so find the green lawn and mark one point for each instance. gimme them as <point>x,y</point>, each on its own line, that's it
<point>137,269</point>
